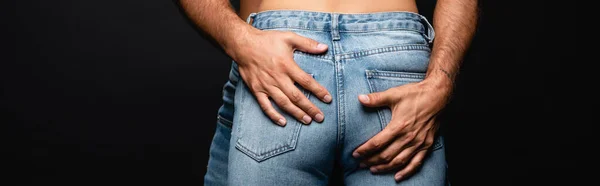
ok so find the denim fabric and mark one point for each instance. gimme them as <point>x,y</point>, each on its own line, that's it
<point>216,173</point>
<point>368,52</point>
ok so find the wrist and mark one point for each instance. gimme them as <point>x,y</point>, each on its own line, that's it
<point>237,39</point>
<point>440,80</point>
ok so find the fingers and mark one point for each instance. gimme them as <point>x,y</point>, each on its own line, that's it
<point>379,99</point>
<point>286,104</point>
<point>267,107</point>
<point>376,143</point>
<point>310,84</point>
<point>299,99</point>
<point>410,169</point>
<point>397,162</point>
<point>305,44</point>
<point>408,147</point>
<point>385,156</point>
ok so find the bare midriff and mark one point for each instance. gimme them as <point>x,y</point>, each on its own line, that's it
<point>333,6</point>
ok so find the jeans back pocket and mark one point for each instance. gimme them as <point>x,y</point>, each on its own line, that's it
<point>257,136</point>
<point>380,81</point>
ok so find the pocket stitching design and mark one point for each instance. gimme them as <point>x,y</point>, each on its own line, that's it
<point>389,75</point>
<point>224,121</point>
<point>395,76</point>
<point>379,112</point>
<point>436,145</point>
<point>381,74</point>
<point>289,145</point>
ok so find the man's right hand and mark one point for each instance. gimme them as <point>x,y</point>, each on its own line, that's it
<point>266,64</point>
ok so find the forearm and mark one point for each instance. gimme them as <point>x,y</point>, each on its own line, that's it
<point>454,24</point>
<point>218,20</point>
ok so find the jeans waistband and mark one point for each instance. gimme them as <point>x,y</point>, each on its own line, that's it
<point>342,22</point>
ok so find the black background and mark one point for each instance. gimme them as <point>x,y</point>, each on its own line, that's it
<point>126,92</point>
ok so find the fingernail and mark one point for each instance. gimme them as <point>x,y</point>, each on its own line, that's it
<point>319,117</point>
<point>327,98</point>
<point>363,98</point>
<point>373,169</point>
<point>362,165</point>
<point>321,46</point>
<point>398,177</point>
<point>306,119</point>
<point>356,154</point>
<point>281,121</point>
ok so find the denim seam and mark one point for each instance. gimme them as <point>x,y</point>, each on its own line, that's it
<point>263,156</point>
<point>384,29</point>
<point>378,74</point>
<point>437,145</point>
<point>391,74</point>
<point>341,31</point>
<point>379,112</point>
<point>313,55</point>
<point>224,121</point>
<point>278,149</point>
<point>338,76</point>
<point>342,102</point>
<point>292,27</point>
<point>384,50</point>
<point>241,117</point>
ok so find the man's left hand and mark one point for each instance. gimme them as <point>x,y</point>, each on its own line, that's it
<point>402,145</point>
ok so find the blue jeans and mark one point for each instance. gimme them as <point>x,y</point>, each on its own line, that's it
<point>369,52</point>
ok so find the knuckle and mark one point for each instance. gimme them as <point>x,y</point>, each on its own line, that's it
<point>374,97</point>
<point>376,144</point>
<point>414,167</point>
<point>319,90</point>
<point>410,136</point>
<point>255,86</point>
<point>281,65</point>
<point>401,162</point>
<point>310,42</point>
<point>394,164</point>
<point>296,96</point>
<point>395,130</point>
<point>398,163</point>
<point>312,109</point>
<point>386,157</point>
<point>427,144</point>
<point>273,115</point>
<point>282,102</point>
<point>264,108</point>
<point>304,79</point>
<point>420,140</point>
<point>430,138</point>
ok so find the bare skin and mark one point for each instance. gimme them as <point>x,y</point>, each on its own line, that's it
<point>340,6</point>
<point>267,67</point>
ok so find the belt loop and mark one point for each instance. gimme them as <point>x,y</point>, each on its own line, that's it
<point>250,17</point>
<point>430,32</point>
<point>335,33</point>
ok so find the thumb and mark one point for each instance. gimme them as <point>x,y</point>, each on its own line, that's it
<point>307,45</point>
<point>377,99</point>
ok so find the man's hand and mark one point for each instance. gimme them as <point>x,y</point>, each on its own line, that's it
<point>403,144</point>
<point>265,59</point>
<point>266,64</point>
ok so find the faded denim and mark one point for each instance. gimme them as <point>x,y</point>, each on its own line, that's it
<point>368,52</point>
